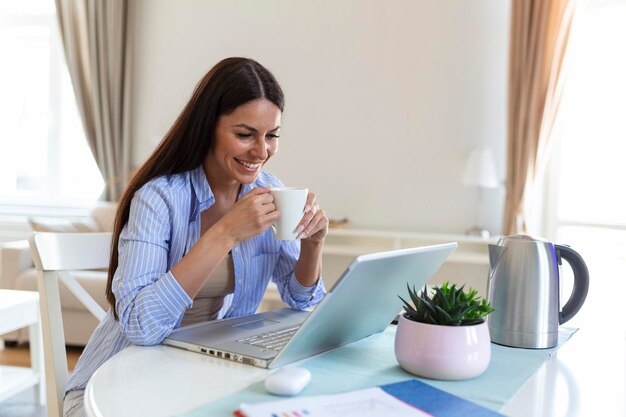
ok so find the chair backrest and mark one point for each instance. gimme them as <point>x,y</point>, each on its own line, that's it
<point>56,256</point>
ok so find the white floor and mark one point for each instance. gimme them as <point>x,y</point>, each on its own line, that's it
<point>22,405</point>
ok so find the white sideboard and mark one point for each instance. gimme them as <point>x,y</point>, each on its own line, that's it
<point>468,265</point>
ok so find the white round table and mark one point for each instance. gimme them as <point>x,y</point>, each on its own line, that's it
<point>585,376</point>
<point>163,381</point>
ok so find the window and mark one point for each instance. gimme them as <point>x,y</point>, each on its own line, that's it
<point>589,165</point>
<point>44,157</point>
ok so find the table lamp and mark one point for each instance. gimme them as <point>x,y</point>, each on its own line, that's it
<point>480,172</point>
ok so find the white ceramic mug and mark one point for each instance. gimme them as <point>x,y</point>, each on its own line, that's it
<point>290,202</point>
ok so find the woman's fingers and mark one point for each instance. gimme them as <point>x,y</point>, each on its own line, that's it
<point>252,214</point>
<point>310,202</point>
<point>309,213</point>
<point>260,199</point>
<point>318,221</point>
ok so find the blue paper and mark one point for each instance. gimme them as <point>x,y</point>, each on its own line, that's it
<point>435,402</point>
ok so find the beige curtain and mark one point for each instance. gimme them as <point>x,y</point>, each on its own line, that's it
<point>539,35</point>
<point>96,39</point>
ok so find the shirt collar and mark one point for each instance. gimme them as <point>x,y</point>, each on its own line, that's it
<point>246,188</point>
<point>201,188</point>
<point>203,191</point>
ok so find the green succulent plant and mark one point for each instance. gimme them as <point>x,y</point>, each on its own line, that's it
<point>447,306</point>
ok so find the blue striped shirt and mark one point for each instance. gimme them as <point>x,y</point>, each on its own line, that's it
<point>163,225</point>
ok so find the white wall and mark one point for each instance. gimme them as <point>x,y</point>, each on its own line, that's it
<point>384,99</point>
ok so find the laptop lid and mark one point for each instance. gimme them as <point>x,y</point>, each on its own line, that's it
<point>364,300</point>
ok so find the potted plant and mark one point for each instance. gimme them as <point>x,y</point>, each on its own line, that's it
<point>443,333</point>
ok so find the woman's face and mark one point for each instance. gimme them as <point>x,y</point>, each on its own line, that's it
<point>245,140</point>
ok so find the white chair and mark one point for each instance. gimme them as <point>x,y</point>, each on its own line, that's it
<point>57,255</point>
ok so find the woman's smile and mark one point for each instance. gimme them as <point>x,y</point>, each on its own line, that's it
<point>252,166</point>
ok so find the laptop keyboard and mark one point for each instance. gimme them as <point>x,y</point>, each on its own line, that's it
<point>271,340</point>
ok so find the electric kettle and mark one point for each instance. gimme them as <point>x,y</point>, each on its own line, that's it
<point>523,287</point>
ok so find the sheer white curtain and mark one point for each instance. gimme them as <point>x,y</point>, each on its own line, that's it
<point>98,48</point>
<point>539,37</point>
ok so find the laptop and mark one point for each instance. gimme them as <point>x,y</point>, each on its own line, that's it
<point>361,303</point>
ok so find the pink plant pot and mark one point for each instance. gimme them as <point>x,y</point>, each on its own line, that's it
<point>442,352</point>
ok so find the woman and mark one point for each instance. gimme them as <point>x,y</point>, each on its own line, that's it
<point>191,240</point>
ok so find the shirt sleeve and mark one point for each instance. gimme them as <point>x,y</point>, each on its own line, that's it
<point>149,300</point>
<point>291,291</point>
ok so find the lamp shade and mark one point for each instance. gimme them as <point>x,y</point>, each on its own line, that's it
<point>480,169</point>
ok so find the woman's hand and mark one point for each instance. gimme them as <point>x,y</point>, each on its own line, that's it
<point>314,224</point>
<point>253,214</point>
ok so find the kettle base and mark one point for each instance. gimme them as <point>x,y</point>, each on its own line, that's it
<point>523,339</point>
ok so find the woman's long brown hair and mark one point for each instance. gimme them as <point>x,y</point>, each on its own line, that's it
<point>229,84</point>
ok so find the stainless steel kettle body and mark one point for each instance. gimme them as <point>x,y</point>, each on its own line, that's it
<point>523,287</point>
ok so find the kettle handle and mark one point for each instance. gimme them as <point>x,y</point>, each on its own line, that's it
<point>581,282</point>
